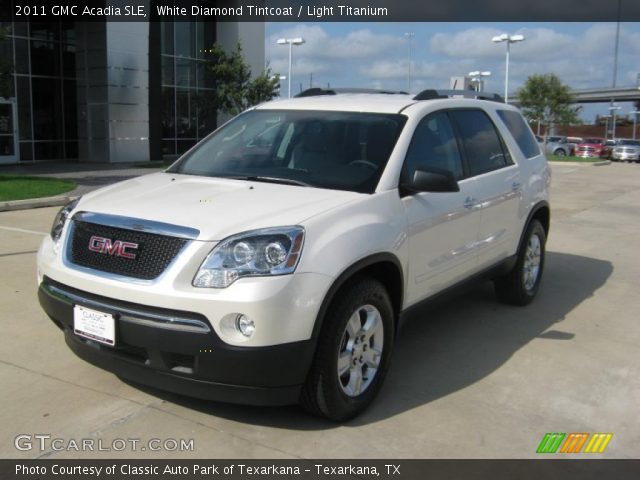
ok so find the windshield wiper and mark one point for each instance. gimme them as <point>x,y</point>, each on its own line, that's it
<point>260,178</point>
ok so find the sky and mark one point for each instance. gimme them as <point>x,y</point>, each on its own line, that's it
<point>375,55</point>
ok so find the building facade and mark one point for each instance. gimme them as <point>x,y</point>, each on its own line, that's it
<point>111,91</point>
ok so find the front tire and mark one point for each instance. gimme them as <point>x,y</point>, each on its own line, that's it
<point>521,284</point>
<point>560,153</point>
<point>354,351</point>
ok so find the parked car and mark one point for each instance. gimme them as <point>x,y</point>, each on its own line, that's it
<point>273,262</point>
<point>626,150</point>
<point>591,147</point>
<point>558,146</point>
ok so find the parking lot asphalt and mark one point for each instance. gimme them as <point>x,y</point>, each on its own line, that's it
<point>470,378</point>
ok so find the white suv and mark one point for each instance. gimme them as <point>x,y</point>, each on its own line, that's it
<point>273,261</point>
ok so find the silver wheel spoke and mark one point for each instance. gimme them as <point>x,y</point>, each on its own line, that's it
<point>355,381</point>
<point>344,363</point>
<point>372,358</point>
<point>372,325</point>
<point>353,325</point>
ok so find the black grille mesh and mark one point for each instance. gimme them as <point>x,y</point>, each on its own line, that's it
<point>153,255</point>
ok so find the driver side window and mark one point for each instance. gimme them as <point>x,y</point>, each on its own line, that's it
<point>433,147</point>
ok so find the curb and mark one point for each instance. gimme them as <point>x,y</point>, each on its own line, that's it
<point>581,164</point>
<point>57,201</point>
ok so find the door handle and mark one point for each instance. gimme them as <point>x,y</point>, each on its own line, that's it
<point>469,203</point>
<point>515,186</point>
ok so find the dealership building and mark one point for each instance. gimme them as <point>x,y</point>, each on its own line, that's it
<point>111,91</point>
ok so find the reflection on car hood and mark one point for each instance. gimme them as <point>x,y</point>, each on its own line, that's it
<point>217,207</point>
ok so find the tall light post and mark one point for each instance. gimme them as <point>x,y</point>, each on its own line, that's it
<point>476,77</point>
<point>606,125</point>
<point>613,108</point>
<point>635,121</point>
<point>291,42</point>
<point>410,36</point>
<point>509,39</point>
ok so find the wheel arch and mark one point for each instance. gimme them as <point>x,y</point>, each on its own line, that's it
<point>540,212</point>
<point>384,267</point>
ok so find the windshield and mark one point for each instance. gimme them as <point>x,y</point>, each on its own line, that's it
<point>593,141</point>
<point>633,143</point>
<point>335,150</point>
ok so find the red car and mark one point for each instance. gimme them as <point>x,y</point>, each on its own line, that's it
<point>591,147</point>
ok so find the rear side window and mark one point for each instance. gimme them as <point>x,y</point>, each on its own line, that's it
<point>521,132</point>
<point>482,144</point>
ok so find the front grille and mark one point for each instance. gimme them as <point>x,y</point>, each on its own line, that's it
<point>152,256</point>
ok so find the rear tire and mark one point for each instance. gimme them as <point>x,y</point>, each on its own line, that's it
<point>353,353</point>
<point>560,153</point>
<point>521,284</point>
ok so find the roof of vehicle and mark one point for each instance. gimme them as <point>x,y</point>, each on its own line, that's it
<point>348,101</point>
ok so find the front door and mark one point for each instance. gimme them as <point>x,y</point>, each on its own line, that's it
<point>443,226</point>
<point>8,132</point>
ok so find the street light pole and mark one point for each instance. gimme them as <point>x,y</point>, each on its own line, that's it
<point>509,39</point>
<point>635,122</point>
<point>291,42</point>
<point>613,109</point>
<point>476,77</point>
<point>410,36</point>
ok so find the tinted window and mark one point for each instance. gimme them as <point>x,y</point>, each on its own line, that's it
<point>336,150</point>
<point>481,143</point>
<point>521,132</point>
<point>433,147</point>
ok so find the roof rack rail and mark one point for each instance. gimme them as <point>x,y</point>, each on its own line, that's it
<point>315,91</point>
<point>432,94</point>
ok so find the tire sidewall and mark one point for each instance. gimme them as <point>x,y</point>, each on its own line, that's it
<point>535,228</point>
<point>351,406</point>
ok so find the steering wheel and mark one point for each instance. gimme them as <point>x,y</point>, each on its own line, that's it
<point>366,163</point>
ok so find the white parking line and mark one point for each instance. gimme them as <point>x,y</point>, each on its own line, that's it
<point>22,230</point>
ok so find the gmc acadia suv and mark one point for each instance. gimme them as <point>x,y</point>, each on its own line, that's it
<point>273,261</point>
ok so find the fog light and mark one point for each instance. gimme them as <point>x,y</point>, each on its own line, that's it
<point>245,325</point>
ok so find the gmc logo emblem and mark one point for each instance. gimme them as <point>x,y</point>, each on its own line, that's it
<point>117,248</point>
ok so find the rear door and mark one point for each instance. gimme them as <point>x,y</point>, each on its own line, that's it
<point>498,184</point>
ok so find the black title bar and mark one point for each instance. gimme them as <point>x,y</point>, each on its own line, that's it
<point>323,10</point>
<point>565,468</point>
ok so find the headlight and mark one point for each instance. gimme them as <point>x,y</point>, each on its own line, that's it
<point>265,252</point>
<point>61,219</point>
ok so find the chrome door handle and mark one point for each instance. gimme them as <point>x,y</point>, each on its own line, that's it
<point>469,203</point>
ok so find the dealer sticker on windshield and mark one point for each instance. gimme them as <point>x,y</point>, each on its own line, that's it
<point>95,325</point>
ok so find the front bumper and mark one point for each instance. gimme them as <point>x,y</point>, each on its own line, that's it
<point>625,156</point>
<point>192,360</point>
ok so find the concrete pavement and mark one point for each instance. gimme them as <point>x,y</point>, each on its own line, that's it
<point>470,378</point>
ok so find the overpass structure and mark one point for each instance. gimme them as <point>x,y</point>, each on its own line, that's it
<point>601,95</point>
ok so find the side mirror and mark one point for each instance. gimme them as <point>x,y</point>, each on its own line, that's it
<point>431,181</point>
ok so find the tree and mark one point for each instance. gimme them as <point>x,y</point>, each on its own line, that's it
<point>546,100</point>
<point>232,88</point>
<point>6,68</point>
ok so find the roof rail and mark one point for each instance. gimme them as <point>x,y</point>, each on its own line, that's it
<point>432,94</point>
<point>315,92</point>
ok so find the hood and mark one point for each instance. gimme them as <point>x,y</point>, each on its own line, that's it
<point>217,207</point>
